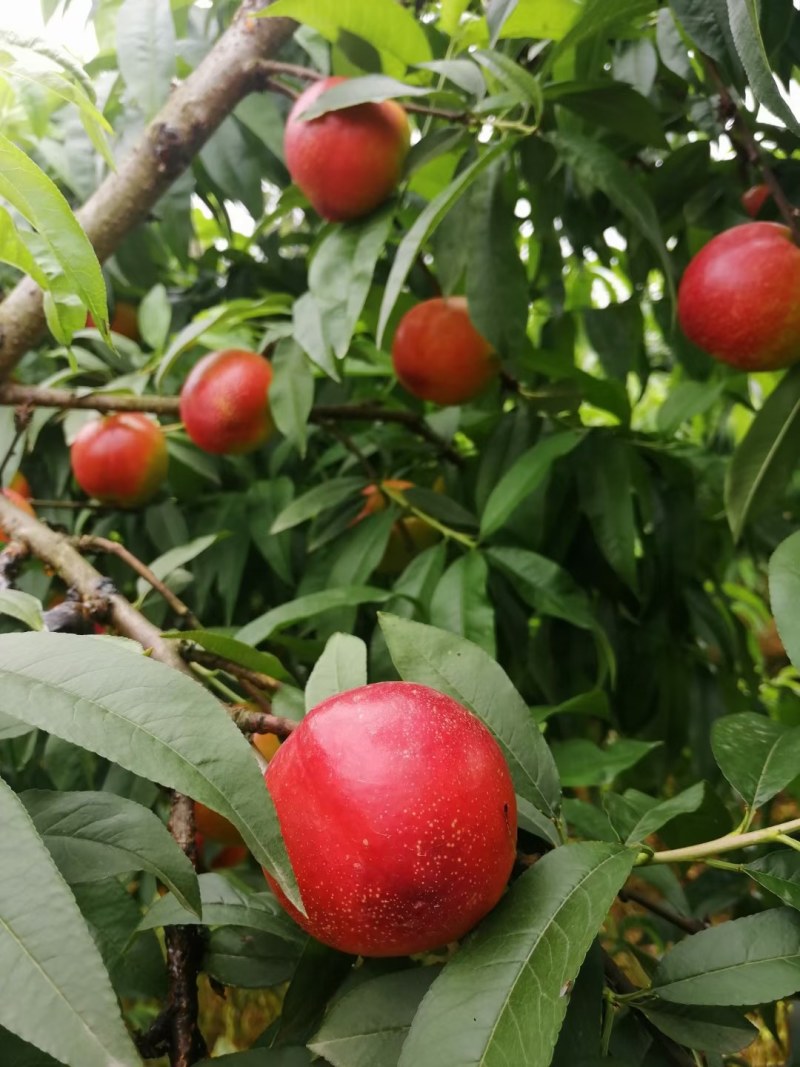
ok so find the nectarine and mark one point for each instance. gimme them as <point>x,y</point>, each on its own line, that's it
<point>407,537</point>
<point>754,198</point>
<point>438,354</point>
<point>739,298</point>
<point>347,162</point>
<point>399,817</point>
<point>120,459</point>
<point>224,401</point>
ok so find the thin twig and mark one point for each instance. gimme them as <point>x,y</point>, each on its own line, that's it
<point>22,418</point>
<point>215,662</point>
<point>103,544</point>
<point>261,722</point>
<point>683,922</point>
<point>378,413</point>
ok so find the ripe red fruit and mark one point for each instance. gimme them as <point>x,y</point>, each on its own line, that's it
<point>120,459</point>
<point>19,501</point>
<point>754,199</point>
<point>215,827</point>
<point>225,401</point>
<point>739,298</point>
<point>347,162</point>
<point>399,817</point>
<point>438,354</point>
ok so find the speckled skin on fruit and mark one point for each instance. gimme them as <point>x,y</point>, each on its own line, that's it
<point>120,459</point>
<point>18,500</point>
<point>224,402</point>
<point>438,354</point>
<point>346,162</point>
<point>399,817</point>
<point>739,298</point>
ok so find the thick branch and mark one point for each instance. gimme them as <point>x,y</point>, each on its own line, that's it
<point>219,663</point>
<point>169,144</point>
<point>261,722</point>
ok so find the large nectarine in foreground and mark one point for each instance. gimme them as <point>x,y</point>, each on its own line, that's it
<point>224,401</point>
<point>347,162</point>
<point>438,354</point>
<point>120,459</point>
<point>399,817</point>
<point>739,298</point>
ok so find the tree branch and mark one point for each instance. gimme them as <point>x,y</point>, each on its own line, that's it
<point>219,663</point>
<point>195,109</point>
<point>33,396</point>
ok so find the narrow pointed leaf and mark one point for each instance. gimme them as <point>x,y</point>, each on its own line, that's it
<point>687,801</point>
<point>784,594</point>
<point>746,32</point>
<point>755,959</point>
<point>757,756</point>
<point>342,666</point>
<point>778,872</point>
<point>94,836</point>
<point>500,1000</point>
<point>149,719</point>
<point>54,990</point>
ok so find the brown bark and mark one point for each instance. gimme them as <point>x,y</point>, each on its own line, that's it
<point>193,112</point>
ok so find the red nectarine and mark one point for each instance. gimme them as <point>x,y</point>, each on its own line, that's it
<point>347,162</point>
<point>120,459</point>
<point>399,817</point>
<point>739,298</point>
<point>438,354</point>
<point>224,401</point>
<point>754,198</point>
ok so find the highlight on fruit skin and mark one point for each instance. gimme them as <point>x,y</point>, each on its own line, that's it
<point>439,355</point>
<point>120,459</point>
<point>224,402</point>
<point>18,500</point>
<point>347,162</point>
<point>739,298</point>
<point>406,834</point>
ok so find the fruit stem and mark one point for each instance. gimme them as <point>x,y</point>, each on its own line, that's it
<point>729,843</point>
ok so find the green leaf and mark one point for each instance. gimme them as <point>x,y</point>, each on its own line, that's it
<point>755,959</point>
<point>424,225</point>
<point>501,999</point>
<point>523,85</point>
<point>342,666</point>
<point>767,457</point>
<point>176,558</point>
<point>60,998</point>
<point>452,665</point>
<point>757,756</point>
<point>709,1029</point>
<point>307,607</point>
<point>523,476</point>
<point>582,762</point>
<point>235,651</point>
<point>369,1025</point>
<point>320,971</point>
<point>23,607</point>
<point>746,33</point>
<point>532,18</point>
<point>369,88</point>
<point>497,283</point>
<point>316,500</point>
<point>37,198</point>
<point>224,904</point>
<point>146,51</point>
<point>685,401</point>
<point>687,801</point>
<point>616,106</point>
<point>779,873</point>
<point>784,591</point>
<point>548,588</point>
<point>602,169</point>
<point>155,317</point>
<point>497,14</point>
<point>263,1057</point>
<point>461,604</point>
<point>606,498</point>
<point>291,392</point>
<point>384,24</point>
<point>598,17</point>
<point>341,272</point>
<point>14,250</point>
<point>148,718</point>
<point>94,836</point>
<point>249,959</point>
